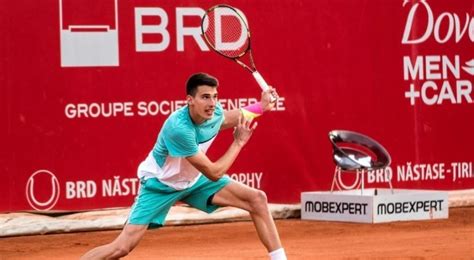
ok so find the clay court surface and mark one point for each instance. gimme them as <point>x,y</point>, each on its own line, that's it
<point>435,239</point>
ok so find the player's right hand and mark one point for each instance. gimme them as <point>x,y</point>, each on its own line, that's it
<point>268,99</point>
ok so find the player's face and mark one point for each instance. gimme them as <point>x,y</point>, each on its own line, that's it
<point>203,104</point>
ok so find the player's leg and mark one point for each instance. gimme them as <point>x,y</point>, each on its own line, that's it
<point>149,210</point>
<point>121,246</point>
<point>255,202</point>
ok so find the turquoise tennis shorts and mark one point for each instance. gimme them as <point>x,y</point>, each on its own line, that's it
<point>155,199</point>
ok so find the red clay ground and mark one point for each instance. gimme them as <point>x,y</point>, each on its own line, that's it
<point>437,239</point>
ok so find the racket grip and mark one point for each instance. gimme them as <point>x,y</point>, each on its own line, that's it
<point>262,83</point>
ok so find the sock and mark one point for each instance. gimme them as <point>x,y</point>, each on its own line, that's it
<point>278,254</point>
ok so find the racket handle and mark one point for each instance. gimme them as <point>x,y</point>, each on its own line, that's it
<point>262,83</point>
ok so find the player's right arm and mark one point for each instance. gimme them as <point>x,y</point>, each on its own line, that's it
<point>215,170</point>
<point>231,117</point>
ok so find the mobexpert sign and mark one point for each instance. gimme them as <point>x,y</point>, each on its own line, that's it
<point>351,206</point>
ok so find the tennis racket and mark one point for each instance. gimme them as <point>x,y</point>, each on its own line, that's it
<point>226,31</point>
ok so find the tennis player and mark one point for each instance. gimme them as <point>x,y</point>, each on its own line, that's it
<point>177,169</point>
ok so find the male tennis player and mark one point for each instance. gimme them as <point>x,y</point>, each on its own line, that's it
<point>177,169</point>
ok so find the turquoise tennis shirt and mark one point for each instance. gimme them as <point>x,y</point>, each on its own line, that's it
<point>179,138</point>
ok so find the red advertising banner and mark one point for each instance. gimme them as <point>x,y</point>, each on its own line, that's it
<point>86,86</point>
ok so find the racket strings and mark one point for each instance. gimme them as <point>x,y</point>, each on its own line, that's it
<point>225,32</point>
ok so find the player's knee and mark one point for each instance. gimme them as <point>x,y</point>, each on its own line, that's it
<point>259,202</point>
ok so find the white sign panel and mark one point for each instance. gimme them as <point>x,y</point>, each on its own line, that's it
<point>374,206</point>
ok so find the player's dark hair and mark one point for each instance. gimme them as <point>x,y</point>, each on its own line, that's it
<point>199,79</point>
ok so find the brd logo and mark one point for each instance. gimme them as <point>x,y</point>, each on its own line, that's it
<point>42,190</point>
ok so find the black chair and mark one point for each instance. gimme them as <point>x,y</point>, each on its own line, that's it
<point>355,152</point>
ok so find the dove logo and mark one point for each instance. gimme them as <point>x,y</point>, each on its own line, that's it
<point>42,190</point>
<point>89,38</point>
<point>454,26</point>
<point>438,78</point>
<point>469,68</point>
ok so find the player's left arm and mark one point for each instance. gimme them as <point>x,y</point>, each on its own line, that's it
<point>231,117</point>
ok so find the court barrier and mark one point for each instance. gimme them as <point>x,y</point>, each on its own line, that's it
<point>18,224</point>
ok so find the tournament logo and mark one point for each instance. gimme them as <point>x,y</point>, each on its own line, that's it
<point>38,189</point>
